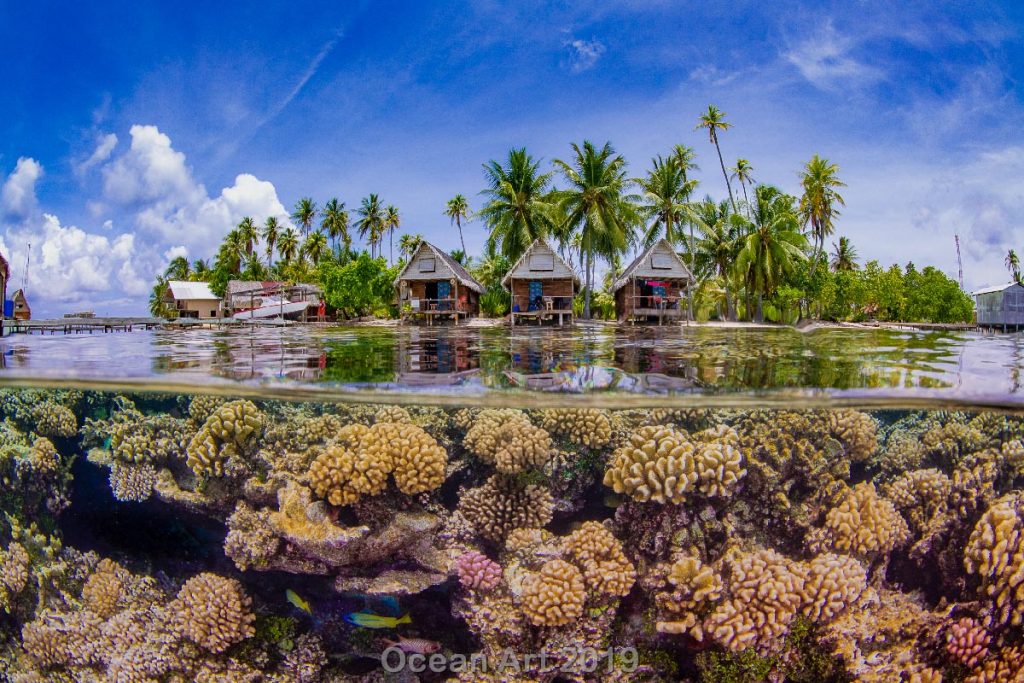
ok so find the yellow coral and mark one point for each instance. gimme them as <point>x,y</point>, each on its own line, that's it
<point>213,612</point>
<point>585,426</point>
<point>695,586</point>
<point>508,440</point>
<point>995,552</point>
<point>833,584</point>
<point>656,464</point>
<point>857,431</point>
<point>234,424</point>
<point>719,466</point>
<point>865,524</point>
<point>919,494</point>
<point>43,456</point>
<point>203,454</point>
<point>343,477</point>
<point>554,596</point>
<point>102,591</point>
<point>392,414</point>
<point>417,461</point>
<point>605,567</point>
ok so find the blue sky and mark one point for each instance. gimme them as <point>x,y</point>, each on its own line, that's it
<point>132,132</point>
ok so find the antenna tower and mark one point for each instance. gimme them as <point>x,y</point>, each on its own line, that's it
<point>24,277</point>
<point>959,263</point>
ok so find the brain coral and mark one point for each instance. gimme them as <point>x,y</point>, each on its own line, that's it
<point>508,440</point>
<point>865,524</point>
<point>587,426</point>
<point>213,612</point>
<point>554,596</point>
<point>857,431</point>
<point>502,504</point>
<point>605,567</point>
<point>995,552</point>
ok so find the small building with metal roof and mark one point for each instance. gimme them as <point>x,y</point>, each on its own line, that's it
<point>192,299</point>
<point>653,286</point>
<point>433,286</point>
<point>542,285</point>
<point>1000,305</point>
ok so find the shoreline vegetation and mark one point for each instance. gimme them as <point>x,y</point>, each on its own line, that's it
<point>759,255</point>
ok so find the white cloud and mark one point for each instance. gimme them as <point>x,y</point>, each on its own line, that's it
<point>18,194</point>
<point>153,180</point>
<point>583,54</point>
<point>103,150</point>
<point>824,60</point>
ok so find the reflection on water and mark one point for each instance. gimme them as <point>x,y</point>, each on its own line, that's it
<point>584,359</point>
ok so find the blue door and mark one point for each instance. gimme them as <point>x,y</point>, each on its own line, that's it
<point>444,291</point>
<point>536,295</point>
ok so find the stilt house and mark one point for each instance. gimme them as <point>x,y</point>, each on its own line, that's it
<point>433,285</point>
<point>542,285</point>
<point>654,287</point>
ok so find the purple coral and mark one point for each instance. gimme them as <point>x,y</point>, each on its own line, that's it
<point>477,571</point>
<point>967,641</point>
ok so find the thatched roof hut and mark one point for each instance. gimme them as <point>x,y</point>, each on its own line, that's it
<point>653,285</point>
<point>542,284</point>
<point>434,285</point>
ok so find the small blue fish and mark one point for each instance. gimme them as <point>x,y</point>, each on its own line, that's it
<point>367,620</point>
<point>296,600</point>
<point>106,443</point>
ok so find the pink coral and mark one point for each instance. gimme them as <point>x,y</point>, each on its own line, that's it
<point>967,641</point>
<point>477,571</point>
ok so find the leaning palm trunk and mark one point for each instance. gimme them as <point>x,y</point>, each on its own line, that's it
<point>725,175</point>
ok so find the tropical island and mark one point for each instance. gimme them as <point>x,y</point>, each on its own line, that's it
<point>758,254</point>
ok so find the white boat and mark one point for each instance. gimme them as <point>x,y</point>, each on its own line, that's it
<point>271,307</point>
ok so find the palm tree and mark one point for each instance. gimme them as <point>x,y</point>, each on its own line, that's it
<point>597,204</point>
<point>1013,265</point>
<point>271,233</point>
<point>721,231</point>
<point>818,205</point>
<point>371,221</point>
<point>714,120</point>
<point>845,256</point>
<point>684,156</point>
<point>253,268</point>
<point>229,255</point>
<point>664,193</point>
<point>391,222</point>
<point>519,208</point>
<point>178,269</point>
<point>742,172</point>
<point>459,257</point>
<point>773,246</point>
<point>457,211</point>
<point>304,213</point>
<point>158,308</point>
<point>335,222</point>
<point>409,244</point>
<point>200,269</point>
<point>315,247</point>
<point>288,245</point>
<point>248,234</point>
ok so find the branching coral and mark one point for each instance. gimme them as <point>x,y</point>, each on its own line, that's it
<point>250,540</point>
<point>418,462</point>
<point>662,464</point>
<point>130,482</point>
<point>857,431</point>
<point>392,414</point>
<point>967,641</point>
<point>508,440</point>
<point>102,590</point>
<point>14,566</point>
<point>919,495</point>
<point>995,552</point>
<point>554,596</point>
<point>213,612</point>
<point>695,586</point>
<point>477,571</point>
<point>502,504</point>
<point>236,424</point>
<point>864,524</point>
<point>586,426</point>
<point>833,584</point>
<point>599,554</point>
<point>53,419</point>
<point>342,477</point>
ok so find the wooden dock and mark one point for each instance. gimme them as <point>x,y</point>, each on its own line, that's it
<point>80,325</point>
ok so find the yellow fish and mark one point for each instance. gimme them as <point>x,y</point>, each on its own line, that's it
<point>367,620</point>
<point>294,598</point>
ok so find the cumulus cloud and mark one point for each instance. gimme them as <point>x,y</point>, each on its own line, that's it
<point>104,148</point>
<point>18,194</point>
<point>824,59</point>
<point>584,54</point>
<point>154,182</point>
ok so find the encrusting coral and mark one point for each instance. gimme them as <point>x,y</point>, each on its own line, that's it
<point>554,595</point>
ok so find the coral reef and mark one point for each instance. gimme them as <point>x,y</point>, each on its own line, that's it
<point>864,524</point>
<point>995,552</point>
<point>585,427</point>
<point>503,504</point>
<point>476,571</point>
<point>554,596</point>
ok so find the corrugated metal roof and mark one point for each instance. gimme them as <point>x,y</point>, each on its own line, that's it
<point>182,289</point>
<point>993,288</point>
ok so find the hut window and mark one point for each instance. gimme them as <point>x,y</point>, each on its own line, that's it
<point>427,265</point>
<point>542,262</point>
<point>661,262</point>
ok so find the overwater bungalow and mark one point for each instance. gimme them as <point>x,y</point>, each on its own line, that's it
<point>542,286</point>
<point>434,286</point>
<point>192,299</point>
<point>1000,306</point>
<point>654,287</point>
<point>22,311</point>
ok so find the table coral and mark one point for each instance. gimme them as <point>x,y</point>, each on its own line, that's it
<point>554,596</point>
